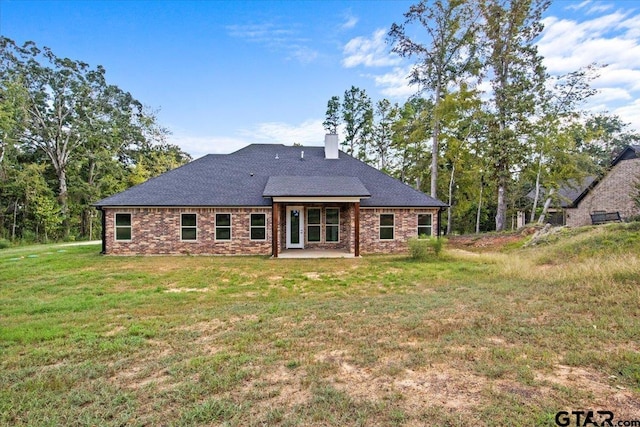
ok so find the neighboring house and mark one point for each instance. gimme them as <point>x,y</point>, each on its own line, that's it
<point>614,192</point>
<point>562,199</point>
<point>267,198</point>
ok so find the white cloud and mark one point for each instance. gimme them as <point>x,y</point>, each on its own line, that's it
<point>574,6</point>
<point>277,38</point>
<point>349,23</point>
<point>604,37</point>
<point>370,52</point>
<point>199,146</point>
<point>309,132</point>
<point>630,113</point>
<point>395,84</point>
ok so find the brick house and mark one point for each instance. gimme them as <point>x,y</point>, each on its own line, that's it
<point>265,199</point>
<point>612,193</point>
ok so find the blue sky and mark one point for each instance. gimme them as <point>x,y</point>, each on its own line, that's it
<point>225,74</point>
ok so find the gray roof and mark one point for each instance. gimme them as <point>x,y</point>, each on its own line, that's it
<point>568,192</point>
<point>241,178</point>
<point>319,186</point>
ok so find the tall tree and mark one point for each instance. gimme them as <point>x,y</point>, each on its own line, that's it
<point>71,111</point>
<point>556,158</point>
<point>357,116</point>
<point>517,78</point>
<point>385,115</point>
<point>447,54</point>
<point>332,116</point>
<point>410,133</point>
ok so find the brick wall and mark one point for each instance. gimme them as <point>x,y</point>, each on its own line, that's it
<point>405,227</point>
<point>612,194</point>
<point>158,231</point>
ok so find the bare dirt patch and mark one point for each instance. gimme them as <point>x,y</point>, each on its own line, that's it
<point>606,394</point>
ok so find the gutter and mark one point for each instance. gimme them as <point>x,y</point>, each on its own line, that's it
<point>103,233</point>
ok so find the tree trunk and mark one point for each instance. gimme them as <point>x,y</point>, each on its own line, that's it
<point>15,213</point>
<point>479,207</point>
<point>453,170</point>
<point>63,200</point>
<point>435,135</point>
<point>545,209</point>
<point>537,193</point>
<point>501,211</point>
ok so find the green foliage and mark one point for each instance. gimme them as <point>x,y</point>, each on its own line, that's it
<point>4,244</point>
<point>68,138</point>
<point>425,247</point>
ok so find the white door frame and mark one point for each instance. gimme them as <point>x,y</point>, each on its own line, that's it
<point>300,244</point>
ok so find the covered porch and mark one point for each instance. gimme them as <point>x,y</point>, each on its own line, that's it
<point>315,217</point>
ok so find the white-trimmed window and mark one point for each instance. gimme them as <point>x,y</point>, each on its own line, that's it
<point>123,226</point>
<point>387,226</point>
<point>332,224</point>
<point>313,224</point>
<point>223,226</point>
<point>188,227</point>
<point>258,226</point>
<point>425,224</point>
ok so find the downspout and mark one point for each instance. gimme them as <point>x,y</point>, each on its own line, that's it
<point>103,232</point>
<point>439,219</point>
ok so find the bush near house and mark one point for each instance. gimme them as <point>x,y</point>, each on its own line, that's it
<point>425,247</point>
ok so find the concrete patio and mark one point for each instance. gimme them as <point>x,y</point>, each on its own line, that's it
<point>315,253</point>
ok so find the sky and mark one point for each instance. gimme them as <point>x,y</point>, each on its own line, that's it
<point>225,74</point>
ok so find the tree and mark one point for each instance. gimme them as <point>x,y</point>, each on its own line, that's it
<point>357,115</point>
<point>332,120</point>
<point>517,78</point>
<point>605,135</point>
<point>73,115</point>
<point>447,55</point>
<point>382,135</point>
<point>556,156</point>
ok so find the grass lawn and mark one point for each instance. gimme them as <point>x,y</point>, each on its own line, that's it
<point>473,338</point>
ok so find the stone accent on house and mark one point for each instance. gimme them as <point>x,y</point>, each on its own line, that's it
<point>157,231</point>
<point>613,193</point>
<point>405,227</point>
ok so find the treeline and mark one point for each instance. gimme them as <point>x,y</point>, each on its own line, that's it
<point>487,125</point>
<point>67,139</point>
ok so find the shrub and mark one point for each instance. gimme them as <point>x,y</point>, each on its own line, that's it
<point>4,244</point>
<point>424,247</point>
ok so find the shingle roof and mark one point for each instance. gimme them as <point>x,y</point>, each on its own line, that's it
<point>319,186</point>
<point>568,192</point>
<point>240,178</point>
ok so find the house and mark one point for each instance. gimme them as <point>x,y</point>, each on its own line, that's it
<point>613,193</point>
<point>265,199</point>
<point>561,199</point>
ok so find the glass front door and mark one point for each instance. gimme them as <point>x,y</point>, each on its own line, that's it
<point>295,227</point>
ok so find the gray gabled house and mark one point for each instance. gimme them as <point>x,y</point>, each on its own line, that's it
<point>264,199</point>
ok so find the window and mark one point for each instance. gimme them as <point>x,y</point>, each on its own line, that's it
<point>386,226</point>
<point>223,226</point>
<point>258,226</point>
<point>123,226</point>
<point>332,224</point>
<point>188,226</point>
<point>313,224</point>
<point>424,224</point>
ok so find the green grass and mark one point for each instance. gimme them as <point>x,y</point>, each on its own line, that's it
<point>504,338</point>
